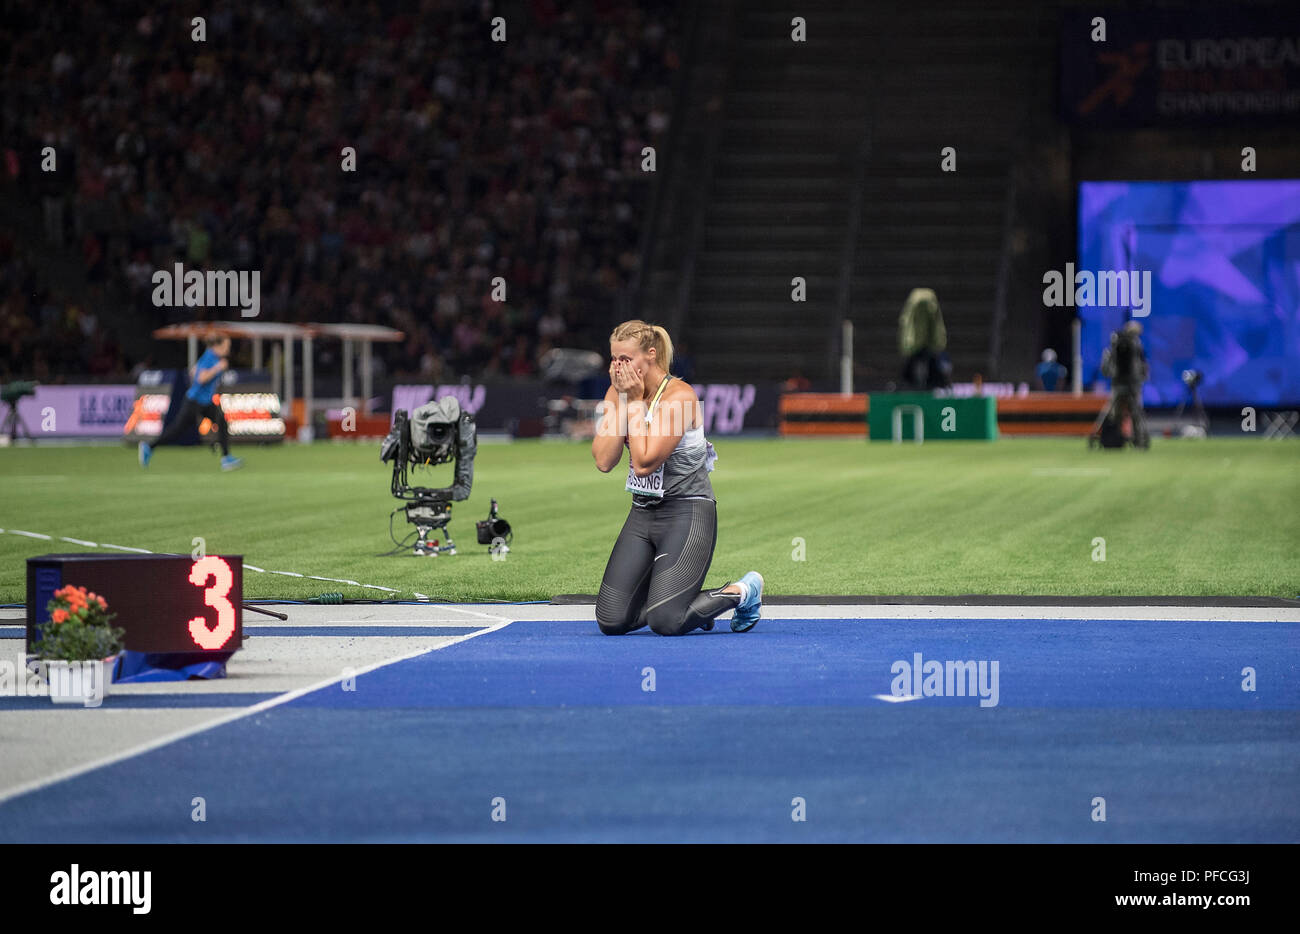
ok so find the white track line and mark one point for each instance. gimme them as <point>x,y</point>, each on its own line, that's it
<point>407,623</point>
<point>461,609</point>
<point>167,740</point>
<point>247,567</point>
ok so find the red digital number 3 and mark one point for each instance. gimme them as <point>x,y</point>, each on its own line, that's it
<point>216,597</point>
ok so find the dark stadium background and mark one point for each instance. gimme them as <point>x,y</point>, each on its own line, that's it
<point>523,159</point>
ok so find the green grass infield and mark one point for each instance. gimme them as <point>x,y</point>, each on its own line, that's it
<point>1016,516</point>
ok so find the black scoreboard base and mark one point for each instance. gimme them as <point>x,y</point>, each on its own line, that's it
<point>163,603</point>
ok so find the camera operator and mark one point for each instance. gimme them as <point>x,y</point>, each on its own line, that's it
<point>1125,364</point>
<point>922,339</point>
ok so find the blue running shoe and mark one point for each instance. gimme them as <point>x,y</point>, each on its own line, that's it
<point>231,462</point>
<point>146,454</point>
<point>748,611</point>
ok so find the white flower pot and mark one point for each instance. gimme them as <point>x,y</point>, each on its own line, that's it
<point>85,683</point>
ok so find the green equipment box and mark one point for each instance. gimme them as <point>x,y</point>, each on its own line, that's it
<point>896,416</point>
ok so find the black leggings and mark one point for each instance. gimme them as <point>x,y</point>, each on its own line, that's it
<point>188,416</point>
<point>657,568</point>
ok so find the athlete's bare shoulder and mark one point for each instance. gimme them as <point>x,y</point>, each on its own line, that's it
<point>682,393</point>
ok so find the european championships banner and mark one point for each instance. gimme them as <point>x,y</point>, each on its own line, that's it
<point>1221,63</point>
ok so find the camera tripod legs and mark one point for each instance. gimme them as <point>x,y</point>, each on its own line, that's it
<point>1094,436</point>
<point>1140,437</point>
<point>430,516</point>
<point>432,548</point>
<point>13,422</point>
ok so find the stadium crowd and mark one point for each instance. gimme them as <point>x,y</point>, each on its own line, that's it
<point>473,159</point>
<point>44,335</point>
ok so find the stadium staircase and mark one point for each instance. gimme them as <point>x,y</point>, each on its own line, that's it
<point>821,160</point>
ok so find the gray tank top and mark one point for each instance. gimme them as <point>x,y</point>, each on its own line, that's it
<point>684,475</point>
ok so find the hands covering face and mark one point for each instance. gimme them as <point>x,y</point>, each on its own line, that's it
<point>625,378</point>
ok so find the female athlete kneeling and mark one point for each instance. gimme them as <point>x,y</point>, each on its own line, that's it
<point>657,568</point>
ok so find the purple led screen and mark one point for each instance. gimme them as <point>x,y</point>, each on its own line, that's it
<point>1224,259</point>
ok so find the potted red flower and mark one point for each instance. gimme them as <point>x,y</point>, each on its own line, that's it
<point>79,646</point>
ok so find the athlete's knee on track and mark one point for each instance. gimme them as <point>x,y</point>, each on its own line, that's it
<point>665,621</point>
<point>613,622</point>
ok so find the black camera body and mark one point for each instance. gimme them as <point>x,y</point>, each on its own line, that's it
<point>437,433</point>
<point>10,393</point>
<point>494,529</point>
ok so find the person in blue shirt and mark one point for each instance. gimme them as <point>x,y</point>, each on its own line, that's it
<point>1050,373</point>
<point>199,405</point>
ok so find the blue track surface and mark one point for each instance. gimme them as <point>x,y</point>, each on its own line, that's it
<point>148,701</point>
<point>552,717</point>
<point>331,632</point>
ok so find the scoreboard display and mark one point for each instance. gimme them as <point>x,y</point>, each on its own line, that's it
<point>246,397</point>
<point>164,603</point>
